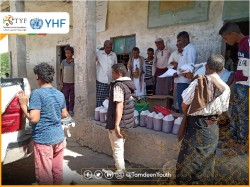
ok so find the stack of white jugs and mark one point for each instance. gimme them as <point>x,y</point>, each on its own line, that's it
<point>101,112</point>
<point>158,122</point>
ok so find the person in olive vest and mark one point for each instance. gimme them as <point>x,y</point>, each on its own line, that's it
<point>120,116</point>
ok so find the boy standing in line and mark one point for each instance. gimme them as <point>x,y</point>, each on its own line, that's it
<point>46,108</point>
<point>68,79</point>
<point>232,34</point>
<point>148,75</point>
<point>120,115</point>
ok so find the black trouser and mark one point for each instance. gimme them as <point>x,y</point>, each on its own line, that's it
<point>196,160</point>
<point>149,86</point>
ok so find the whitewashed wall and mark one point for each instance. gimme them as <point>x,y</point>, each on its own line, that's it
<point>125,18</point>
<point>130,17</point>
<point>43,48</point>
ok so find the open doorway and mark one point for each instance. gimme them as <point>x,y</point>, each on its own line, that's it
<point>60,56</point>
<point>244,27</point>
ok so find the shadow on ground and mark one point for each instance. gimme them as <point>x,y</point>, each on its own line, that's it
<point>232,170</point>
<point>20,172</point>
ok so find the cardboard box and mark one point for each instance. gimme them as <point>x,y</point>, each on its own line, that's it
<point>159,100</point>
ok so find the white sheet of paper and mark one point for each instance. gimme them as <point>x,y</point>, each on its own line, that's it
<point>168,73</point>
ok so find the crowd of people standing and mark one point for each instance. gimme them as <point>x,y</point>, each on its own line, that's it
<point>201,98</point>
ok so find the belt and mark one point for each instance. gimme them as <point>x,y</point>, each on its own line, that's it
<point>135,75</point>
<point>210,120</point>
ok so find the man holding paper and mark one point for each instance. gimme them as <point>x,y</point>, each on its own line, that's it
<point>173,61</point>
<point>188,57</point>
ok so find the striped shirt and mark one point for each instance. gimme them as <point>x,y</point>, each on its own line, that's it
<point>219,105</point>
<point>149,65</point>
<point>50,102</point>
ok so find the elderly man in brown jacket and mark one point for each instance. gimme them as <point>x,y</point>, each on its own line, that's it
<point>203,101</point>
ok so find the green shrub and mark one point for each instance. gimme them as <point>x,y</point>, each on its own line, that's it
<point>4,57</point>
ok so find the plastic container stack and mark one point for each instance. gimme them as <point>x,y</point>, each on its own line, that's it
<point>163,121</point>
<point>101,112</point>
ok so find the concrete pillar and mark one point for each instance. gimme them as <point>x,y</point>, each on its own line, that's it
<point>84,43</point>
<point>17,45</point>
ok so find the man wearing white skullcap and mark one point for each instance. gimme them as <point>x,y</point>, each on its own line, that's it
<point>160,66</point>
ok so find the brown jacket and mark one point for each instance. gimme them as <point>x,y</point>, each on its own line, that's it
<point>206,91</point>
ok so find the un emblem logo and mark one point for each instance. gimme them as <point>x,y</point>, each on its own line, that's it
<point>36,23</point>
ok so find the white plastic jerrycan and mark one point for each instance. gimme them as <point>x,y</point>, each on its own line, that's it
<point>168,123</point>
<point>177,124</point>
<point>142,117</point>
<point>97,112</point>
<point>149,120</point>
<point>157,122</point>
<point>103,115</point>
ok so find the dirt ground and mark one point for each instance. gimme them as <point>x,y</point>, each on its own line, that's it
<point>78,159</point>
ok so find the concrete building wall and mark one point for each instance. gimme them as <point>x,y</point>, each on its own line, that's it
<point>43,48</point>
<point>124,18</point>
<point>143,146</point>
<point>130,17</point>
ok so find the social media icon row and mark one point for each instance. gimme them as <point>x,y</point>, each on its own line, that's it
<point>99,174</point>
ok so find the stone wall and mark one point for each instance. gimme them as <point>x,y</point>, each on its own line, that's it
<point>143,146</point>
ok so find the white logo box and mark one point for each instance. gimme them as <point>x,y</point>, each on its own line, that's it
<point>34,22</point>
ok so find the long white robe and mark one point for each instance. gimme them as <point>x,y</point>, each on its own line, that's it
<point>139,92</point>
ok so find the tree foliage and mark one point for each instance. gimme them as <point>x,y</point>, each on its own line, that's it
<point>4,57</point>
